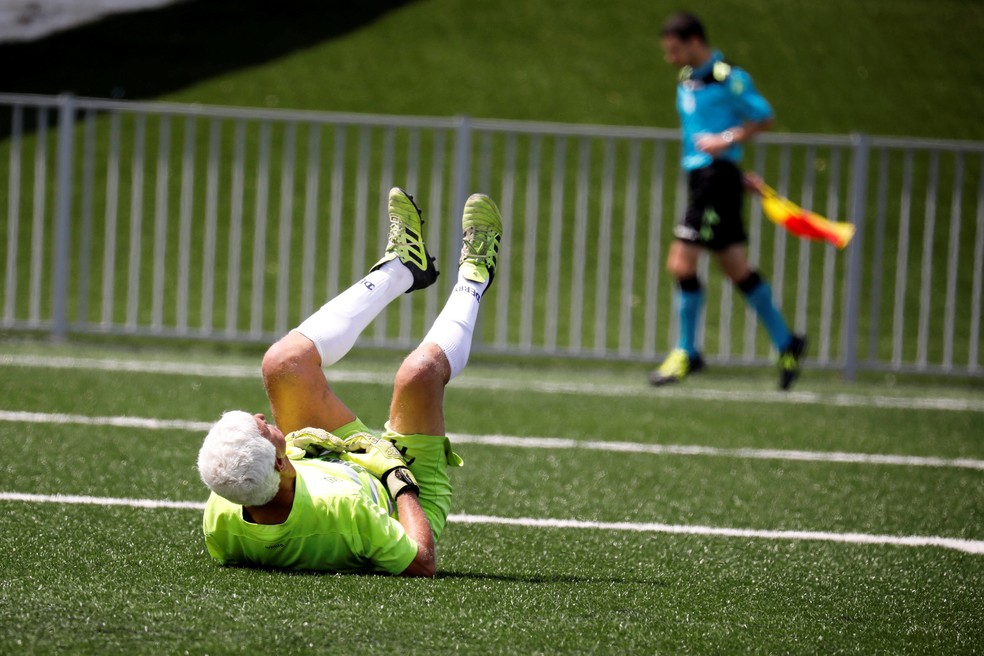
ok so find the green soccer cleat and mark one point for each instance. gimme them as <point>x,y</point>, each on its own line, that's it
<point>406,240</point>
<point>481,225</point>
<point>789,361</point>
<point>677,366</point>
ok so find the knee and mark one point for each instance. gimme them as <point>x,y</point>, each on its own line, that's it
<point>426,367</point>
<point>289,357</point>
<point>680,266</point>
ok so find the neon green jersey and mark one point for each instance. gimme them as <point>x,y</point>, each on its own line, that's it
<point>340,521</point>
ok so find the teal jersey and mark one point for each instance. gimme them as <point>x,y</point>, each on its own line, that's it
<point>711,99</point>
<point>342,520</point>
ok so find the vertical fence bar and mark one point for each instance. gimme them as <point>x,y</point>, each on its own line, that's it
<point>234,247</point>
<point>85,227</point>
<point>877,276</point>
<point>211,218</point>
<point>310,218</point>
<point>679,205</point>
<point>603,266</point>
<point>37,226</point>
<point>779,242</point>
<point>361,198</point>
<point>286,225</point>
<point>902,261</point>
<point>530,224</point>
<point>336,209</point>
<point>653,252</point>
<point>160,222</point>
<point>973,363</point>
<point>63,213</point>
<point>827,295</point>
<point>629,249</point>
<point>551,330</point>
<point>800,320</point>
<point>436,203</point>
<point>412,177</point>
<point>925,290</point>
<point>504,268</point>
<point>580,238</point>
<point>13,214</point>
<point>385,182</point>
<point>136,221</point>
<point>184,227</point>
<point>261,205</point>
<point>460,181</point>
<point>754,253</point>
<point>859,188</point>
<point>953,251</point>
<point>112,212</point>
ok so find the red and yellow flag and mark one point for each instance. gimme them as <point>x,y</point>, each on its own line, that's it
<point>803,223</point>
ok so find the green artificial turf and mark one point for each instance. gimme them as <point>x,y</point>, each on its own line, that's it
<point>123,579</point>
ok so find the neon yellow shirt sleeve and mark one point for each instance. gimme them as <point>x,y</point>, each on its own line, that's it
<point>339,522</point>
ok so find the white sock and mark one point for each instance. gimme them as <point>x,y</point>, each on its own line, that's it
<point>454,327</point>
<point>335,327</point>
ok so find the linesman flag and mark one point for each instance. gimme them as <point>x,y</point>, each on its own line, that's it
<point>800,222</point>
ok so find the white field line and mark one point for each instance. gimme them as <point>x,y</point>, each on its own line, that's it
<point>542,442</point>
<point>482,383</point>
<point>967,546</point>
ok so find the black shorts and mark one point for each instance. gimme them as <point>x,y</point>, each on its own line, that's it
<point>713,219</point>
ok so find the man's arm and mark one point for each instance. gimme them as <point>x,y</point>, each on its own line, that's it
<point>415,522</point>
<point>715,144</point>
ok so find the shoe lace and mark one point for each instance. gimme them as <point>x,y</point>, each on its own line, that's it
<point>397,235</point>
<point>480,245</point>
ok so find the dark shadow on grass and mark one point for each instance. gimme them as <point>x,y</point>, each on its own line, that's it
<point>554,578</point>
<point>147,54</point>
<point>476,576</point>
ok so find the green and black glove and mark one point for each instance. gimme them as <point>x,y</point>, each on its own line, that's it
<point>312,442</point>
<point>383,460</point>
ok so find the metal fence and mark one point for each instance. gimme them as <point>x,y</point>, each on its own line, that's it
<point>184,221</point>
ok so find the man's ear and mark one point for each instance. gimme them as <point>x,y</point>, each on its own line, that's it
<point>280,463</point>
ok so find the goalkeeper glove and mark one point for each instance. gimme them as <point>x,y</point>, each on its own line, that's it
<point>313,442</point>
<point>383,460</point>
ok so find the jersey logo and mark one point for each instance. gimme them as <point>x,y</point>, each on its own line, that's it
<point>720,73</point>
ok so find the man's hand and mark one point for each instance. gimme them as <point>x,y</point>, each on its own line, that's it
<point>715,144</point>
<point>383,460</point>
<point>753,182</point>
<point>314,442</point>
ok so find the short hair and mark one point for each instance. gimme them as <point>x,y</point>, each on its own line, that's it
<point>237,462</point>
<point>684,26</point>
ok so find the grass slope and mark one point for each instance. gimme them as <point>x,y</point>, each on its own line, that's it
<point>905,68</point>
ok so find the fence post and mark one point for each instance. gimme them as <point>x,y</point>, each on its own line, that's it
<point>855,259</point>
<point>63,215</point>
<point>460,180</point>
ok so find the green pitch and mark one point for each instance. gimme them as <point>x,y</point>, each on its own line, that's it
<point>125,579</point>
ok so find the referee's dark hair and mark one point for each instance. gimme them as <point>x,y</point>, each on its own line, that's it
<point>684,26</point>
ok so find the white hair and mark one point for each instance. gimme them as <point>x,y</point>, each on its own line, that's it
<point>237,462</point>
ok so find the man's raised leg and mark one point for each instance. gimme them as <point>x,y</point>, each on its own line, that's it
<point>299,393</point>
<point>416,421</point>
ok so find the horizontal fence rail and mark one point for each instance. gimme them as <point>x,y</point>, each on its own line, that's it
<point>234,224</point>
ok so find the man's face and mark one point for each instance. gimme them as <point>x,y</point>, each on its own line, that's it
<point>681,53</point>
<point>271,433</point>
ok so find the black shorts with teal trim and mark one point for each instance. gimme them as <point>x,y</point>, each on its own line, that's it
<point>714,211</point>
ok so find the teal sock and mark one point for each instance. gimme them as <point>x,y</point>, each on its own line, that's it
<point>760,298</point>
<point>689,304</point>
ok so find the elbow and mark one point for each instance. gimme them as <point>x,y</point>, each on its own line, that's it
<point>419,569</point>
